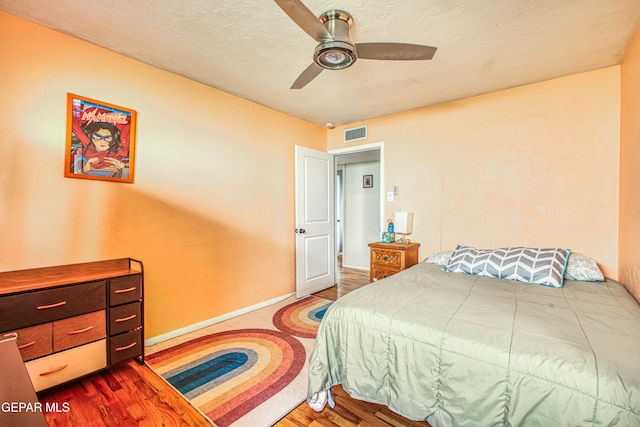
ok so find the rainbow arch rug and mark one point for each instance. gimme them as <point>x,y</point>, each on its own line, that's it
<point>247,371</point>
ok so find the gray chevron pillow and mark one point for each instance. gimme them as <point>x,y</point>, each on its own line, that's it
<point>543,266</point>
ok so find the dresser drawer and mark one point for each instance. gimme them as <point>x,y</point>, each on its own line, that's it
<point>34,341</point>
<point>67,365</point>
<point>125,346</point>
<point>386,257</point>
<point>78,330</point>
<point>32,308</point>
<point>125,289</point>
<point>125,318</point>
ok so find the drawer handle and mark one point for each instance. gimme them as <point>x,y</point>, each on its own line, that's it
<point>126,347</point>
<point>45,307</point>
<point>79,331</point>
<point>385,258</point>
<point>124,319</point>
<point>53,371</point>
<point>29,344</point>
<point>122,291</point>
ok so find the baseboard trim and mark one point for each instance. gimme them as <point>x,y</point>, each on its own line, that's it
<point>355,267</point>
<point>213,321</point>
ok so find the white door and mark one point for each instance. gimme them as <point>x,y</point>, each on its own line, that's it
<point>315,221</point>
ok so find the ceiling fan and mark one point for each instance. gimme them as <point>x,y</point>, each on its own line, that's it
<point>335,50</point>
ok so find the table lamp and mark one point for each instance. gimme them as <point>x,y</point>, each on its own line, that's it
<point>403,222</point>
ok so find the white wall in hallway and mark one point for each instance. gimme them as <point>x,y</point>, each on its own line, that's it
<point>361,214</point>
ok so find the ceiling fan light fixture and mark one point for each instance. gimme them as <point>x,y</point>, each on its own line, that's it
<point>335,50</point>
<point>334,55</point>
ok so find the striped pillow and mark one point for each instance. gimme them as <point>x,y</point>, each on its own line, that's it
<point>542,266</point>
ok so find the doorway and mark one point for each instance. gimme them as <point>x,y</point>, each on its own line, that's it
<point>359,202</point>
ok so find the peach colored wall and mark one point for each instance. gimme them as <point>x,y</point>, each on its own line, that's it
<point>211,210</point>
<point>629,253</point>
<point>535,165</point>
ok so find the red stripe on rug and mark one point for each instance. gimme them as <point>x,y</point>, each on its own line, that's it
<point>286,318</point>
<point>287,371</point>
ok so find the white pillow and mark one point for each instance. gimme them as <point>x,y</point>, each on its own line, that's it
<point>439,258</point>
<point>583,268</point>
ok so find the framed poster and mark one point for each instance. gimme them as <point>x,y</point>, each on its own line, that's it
<point>100,140</point>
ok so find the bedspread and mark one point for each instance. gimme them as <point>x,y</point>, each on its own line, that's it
<point>462,350</point>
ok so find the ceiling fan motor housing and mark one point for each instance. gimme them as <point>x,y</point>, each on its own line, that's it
<point>340,52</point>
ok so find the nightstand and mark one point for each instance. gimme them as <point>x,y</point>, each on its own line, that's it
<point>390,258</point>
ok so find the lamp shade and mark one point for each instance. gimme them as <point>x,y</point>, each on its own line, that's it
<point>403,222</point>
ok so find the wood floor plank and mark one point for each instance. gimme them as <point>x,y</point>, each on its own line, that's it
<point>365,412</point>
<point>291,423</point>
<point>389,420</point>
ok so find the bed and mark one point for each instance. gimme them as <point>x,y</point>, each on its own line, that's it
<point>464,350</point>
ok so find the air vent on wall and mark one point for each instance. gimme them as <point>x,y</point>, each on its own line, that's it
<point>355,134</point>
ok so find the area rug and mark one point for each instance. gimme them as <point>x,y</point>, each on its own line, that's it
<point>247,371</point>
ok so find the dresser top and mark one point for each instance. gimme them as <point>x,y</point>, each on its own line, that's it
<point>46,277</point>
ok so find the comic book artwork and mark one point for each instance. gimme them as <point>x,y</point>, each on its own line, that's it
<point>100,140</point>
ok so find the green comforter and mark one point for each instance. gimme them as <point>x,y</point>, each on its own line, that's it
<point>461,350</point>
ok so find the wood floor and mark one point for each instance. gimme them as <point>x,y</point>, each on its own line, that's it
<point>128,395</point>
<point>133,395</point>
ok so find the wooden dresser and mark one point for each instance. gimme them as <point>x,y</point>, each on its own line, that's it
<point>389,258</point>
<point>73,320</point>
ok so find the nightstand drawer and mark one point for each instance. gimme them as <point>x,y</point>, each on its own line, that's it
<point>386,257</point>
<point>379,273</point>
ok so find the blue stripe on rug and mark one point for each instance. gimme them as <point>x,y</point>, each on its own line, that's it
<point>318,313</point>
<point>211,370</point>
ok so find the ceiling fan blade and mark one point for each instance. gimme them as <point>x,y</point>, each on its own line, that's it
<point>305,19</point>
<point>310,73</point>
<point>394,51</point>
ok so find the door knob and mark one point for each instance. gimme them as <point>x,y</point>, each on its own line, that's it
<point>300,230</point>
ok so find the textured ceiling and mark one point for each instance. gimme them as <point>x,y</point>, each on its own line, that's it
<point>252,49</point>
